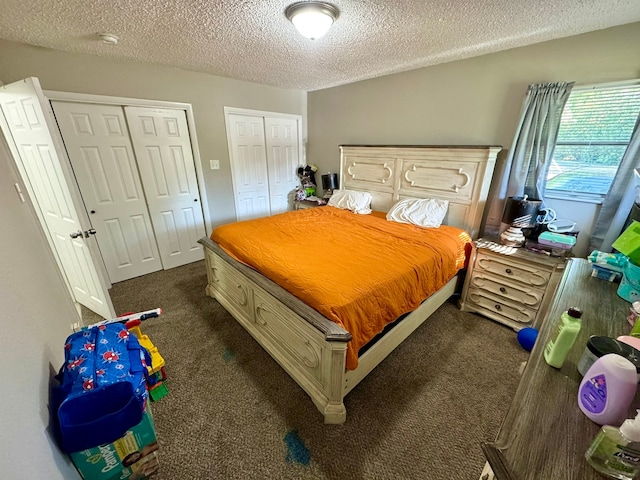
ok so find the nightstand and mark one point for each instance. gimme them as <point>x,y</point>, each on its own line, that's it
<point>510,285</point>
<point>302,204</point>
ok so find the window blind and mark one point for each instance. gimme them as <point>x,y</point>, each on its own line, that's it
<point>596,127</point>
<point>600,115</point>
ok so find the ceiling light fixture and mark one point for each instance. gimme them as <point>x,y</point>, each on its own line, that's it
<point>312,19</point>
<point>109,38</point>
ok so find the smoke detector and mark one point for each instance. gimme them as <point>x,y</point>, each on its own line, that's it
<point>109,38</point>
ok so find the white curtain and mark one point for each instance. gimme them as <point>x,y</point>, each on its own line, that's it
<point>532,149</point>
<point>620,198</point>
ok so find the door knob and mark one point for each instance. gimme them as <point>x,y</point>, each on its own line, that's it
<point>91,231</point>
<point>195,199</point>
<point>77,234</point>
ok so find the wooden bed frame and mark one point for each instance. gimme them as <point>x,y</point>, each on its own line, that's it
<point>311,348</point>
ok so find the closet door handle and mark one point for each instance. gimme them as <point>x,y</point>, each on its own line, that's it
<point>195,199</point>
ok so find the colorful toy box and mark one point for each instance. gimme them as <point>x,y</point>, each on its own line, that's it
<point>133,456</point>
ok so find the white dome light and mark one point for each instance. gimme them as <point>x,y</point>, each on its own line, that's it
<point>312,19</point>
<point>109,38</point>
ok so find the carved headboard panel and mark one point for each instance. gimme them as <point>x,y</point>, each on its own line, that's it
<point>461,175</point>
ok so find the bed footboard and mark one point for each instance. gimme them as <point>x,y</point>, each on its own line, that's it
<point>309,347</point>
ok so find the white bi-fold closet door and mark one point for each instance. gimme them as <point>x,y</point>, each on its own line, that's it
<point>135,170</point>
<point>265,152</point>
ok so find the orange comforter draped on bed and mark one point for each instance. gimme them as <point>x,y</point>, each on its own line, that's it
<point>360,271</point>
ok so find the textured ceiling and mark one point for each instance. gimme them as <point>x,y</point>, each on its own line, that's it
<point>253,40</point>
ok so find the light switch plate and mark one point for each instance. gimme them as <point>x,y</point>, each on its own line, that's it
<point>214,164</point>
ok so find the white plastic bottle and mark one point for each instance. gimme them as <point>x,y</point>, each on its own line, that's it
<point>615,452</point>
<point>607,389</point>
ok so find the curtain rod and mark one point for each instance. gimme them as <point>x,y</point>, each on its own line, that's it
<point>619,83</point>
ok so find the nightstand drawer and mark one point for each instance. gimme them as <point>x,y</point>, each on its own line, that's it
<point>505,267</point>
<point>499,309</point>
<point>528,296</point>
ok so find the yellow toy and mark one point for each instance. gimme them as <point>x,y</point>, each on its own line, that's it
<point>157,375</point>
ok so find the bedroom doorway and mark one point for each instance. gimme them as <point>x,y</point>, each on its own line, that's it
<point>265,150</point>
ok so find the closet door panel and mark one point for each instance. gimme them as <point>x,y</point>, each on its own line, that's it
<point>97,141</point>
<point>282,150</point>
<point>165,160</point>
<point>249,166</point>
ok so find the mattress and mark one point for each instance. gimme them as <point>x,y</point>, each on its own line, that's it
<point>360,271</point>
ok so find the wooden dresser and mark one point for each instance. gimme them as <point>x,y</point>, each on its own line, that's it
<point>544,434</point>
<point>510,285</point>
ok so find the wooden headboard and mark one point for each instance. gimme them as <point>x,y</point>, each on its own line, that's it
<point>461,175</point>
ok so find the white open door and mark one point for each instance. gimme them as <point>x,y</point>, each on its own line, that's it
<point>162,146</point>
<point>24,105</point>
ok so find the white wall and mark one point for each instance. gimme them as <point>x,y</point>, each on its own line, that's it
<point>208,94</point>
<point>468,102</point>
<point>35,315</point>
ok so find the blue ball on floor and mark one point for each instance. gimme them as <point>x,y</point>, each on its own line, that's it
<point>527,338</point>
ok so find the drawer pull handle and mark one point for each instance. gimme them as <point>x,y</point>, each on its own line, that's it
<point>498,307</point>
<point>508,270</point>
<point>502,289</point>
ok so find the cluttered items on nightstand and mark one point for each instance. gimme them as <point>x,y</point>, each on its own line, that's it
<point>101,409</point>
<point>307,176</point>
<point>307,190</point>
<point>526,223</point>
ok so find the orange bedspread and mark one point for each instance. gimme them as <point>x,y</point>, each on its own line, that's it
<point>360,271</point>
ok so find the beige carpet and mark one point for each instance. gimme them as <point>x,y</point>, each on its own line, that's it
<point>233,413</point>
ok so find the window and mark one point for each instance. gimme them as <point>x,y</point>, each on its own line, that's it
<point>595,129</point>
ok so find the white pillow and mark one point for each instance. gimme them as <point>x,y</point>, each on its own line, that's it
<point>357,202</point>
<point>424,212</point>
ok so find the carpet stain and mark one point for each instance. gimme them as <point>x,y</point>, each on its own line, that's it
<point>228,355</point>
<point>297,452</point>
